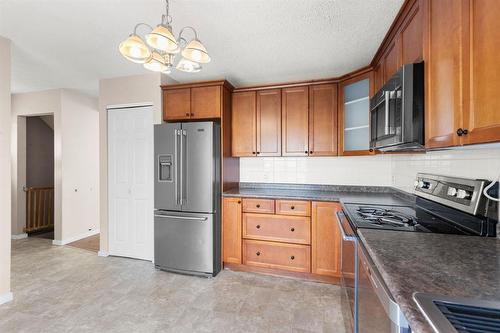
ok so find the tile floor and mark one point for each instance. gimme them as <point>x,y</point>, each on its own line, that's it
<point>66,289</point>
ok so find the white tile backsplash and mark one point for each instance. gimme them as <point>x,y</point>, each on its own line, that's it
<point>359,170</point>
<point>396,170</point>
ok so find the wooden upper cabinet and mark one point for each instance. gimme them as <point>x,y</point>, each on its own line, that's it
<point>206,102</point>
<point>390,61</point>
<point>410,38</point>
<point>177,104</point>
<point>244,124</point>
<point>442,53</point>
<point>323,120</point>
<point>378,78</point>
<point>269,122</point>
<point>325,239</point>
<point>295,114</point>
<point>231,230</point>
<point>482,114</point>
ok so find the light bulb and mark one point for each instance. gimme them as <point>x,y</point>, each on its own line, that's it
<point>196,55</point>
<point>135,51</point>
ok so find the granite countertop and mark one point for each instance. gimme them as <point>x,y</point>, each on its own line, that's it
<point>449,265</point>
<point>345,194</point>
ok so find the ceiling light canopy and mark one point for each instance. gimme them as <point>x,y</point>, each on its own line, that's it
<point>158,51</point>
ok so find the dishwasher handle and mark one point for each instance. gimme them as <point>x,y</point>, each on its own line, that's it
<point>345,237</point>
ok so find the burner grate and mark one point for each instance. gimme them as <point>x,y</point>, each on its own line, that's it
<point>386,217</point>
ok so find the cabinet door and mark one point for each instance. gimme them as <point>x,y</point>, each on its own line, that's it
<point>411,37</point>
<point>323,120</point>
<point>354,113</point>
<point>390,61</point>
<point>442,54</point>
<point>231,230</point>
<point>176,104</point>
<point>295,114</point>
<point>482,115</point>
<point>244,127</point>
<point>269,122</point>
<point>206,102</point>
<point>325,241</point>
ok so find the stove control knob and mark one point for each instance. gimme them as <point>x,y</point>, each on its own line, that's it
<point>463,194</point>
<point>424,184</point>
<point>452,191</point>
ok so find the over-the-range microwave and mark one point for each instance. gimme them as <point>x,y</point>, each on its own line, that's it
<point>397,111</point>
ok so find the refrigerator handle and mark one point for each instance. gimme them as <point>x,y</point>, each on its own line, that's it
<point>182,134</point>
<point>176,134</point>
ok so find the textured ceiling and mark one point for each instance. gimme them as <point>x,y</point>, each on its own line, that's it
<point>73,43</point>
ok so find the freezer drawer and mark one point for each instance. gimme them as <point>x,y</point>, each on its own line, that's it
<point>184,242</point>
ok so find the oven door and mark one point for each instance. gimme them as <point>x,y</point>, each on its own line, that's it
<point>386,116</point>
<point>349,270</point>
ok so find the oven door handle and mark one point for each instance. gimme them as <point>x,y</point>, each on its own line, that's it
<point>340,216</point>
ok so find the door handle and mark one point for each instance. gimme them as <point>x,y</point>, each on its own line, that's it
<point>346,238</point>
<point>387,97</point>
<point>176,179</point>
<point>181,217</point>
<point>182,133</point>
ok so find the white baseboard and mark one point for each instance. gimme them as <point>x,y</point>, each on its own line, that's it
<point>7,297</point>
<point>19,236</point>
<point>103,254</point>
<point>75,238</point>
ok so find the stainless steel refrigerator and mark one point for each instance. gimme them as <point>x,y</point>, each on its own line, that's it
<point>187,224</point>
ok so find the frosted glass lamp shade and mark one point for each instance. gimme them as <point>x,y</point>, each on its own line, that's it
<point>195,51</point>
<point>161,38</point>
<point>135,50</point>
<point>188,66</point>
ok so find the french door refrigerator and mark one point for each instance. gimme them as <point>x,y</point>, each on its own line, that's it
<point>187,223</point>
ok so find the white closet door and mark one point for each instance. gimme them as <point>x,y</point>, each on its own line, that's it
<point>130,182</point>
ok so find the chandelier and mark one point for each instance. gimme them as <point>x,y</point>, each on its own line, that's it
<point>159,50</point>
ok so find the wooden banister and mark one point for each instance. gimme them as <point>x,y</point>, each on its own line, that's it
<point>39,209</point>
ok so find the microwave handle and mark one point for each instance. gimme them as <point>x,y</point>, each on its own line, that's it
<point>387,96</point>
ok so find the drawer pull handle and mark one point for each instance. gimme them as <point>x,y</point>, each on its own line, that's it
<point>293,207</point>
<point>258,206</point>
<point>258,226</point>
<point>292,229</point>
<point>258,253</point>
<point>292,257</point>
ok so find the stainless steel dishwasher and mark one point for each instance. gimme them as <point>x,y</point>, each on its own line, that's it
<point>377,310</point>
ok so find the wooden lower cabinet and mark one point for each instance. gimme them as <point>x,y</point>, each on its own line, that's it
<point>325,241</point>
<point>292,257</point>
<point>302,239</point>
<point>279,228</point>
<point>231,230</point>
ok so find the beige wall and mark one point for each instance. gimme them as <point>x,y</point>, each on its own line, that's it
<point>80,165</point>
<point>33,104</point>
<point>76,168</point>
<point>5,174</point>
<point>129,90</point>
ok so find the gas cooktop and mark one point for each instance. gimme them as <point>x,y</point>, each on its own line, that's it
<point>446,205</point>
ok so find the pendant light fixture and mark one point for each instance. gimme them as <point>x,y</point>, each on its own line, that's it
<point>159,49</point>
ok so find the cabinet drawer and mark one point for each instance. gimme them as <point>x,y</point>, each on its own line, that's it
<point>292,257</point>
<point>258,206</point>
<point>279,228</point>
<point>293,207</point>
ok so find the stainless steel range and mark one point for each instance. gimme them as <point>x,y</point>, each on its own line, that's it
<point>447,205</point>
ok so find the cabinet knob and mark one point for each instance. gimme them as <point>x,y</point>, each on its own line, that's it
<point>239,201</point>
<point>253,153</point>
<point>461,131</point>
<point>311,152</point>
<point>305,152</point>
<point>258,152</point>
<point>187,114</point>
<point>192,114</point>
<point>293,207</point>
<point>258,226</point>
<point>292,257</point>
<point>292,229</point>
<point>258,253</point>
<point>258,206</point>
